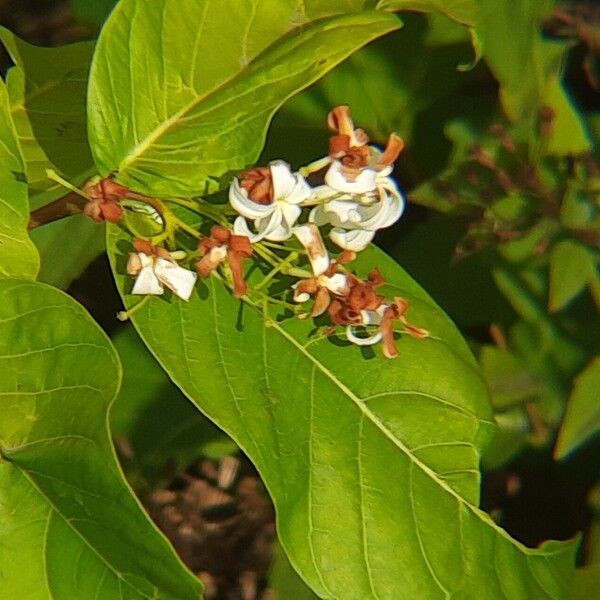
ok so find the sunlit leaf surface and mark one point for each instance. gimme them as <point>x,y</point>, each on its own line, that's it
<point>47,90</point>
<point>184,105</point>
<point>70,527</point>
<point>358,452</point>
<point>18,256</point>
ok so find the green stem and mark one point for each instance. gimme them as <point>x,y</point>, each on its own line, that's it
<point>124,315</point>
<point>314,166</point>
<point>54,176</point>
<point>185,227</point>
<point>290,259</point>
<point>265,254</point>
<point>190,204</point>
<point>283,247</point>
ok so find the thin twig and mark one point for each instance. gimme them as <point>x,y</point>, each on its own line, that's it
<point>66,206</point>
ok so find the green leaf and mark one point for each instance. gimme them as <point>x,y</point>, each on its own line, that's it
<point>18,256</point>
<point>70,526</point>
<point>572,268</point>
<point>529,69</point>
<point>196,85</point>
<point>586,583</point>
<point>463,11</point>
<point>374,456</point>
<point>159,423</point>
<point>66,249</point>
<point>509,381</point>
<point>284,581</point>
<point>582,419</point>
<point>523,248</point>
<point>47,90</point>
<point>578,210</point>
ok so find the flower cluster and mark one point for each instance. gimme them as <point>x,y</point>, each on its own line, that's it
<point>273,210</point>
<point>357,198</point>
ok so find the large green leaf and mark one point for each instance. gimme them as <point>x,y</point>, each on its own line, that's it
<point>196,83</point>
<point>18,256</point>
<point>376,457</point>
<point>70,527</point>
<point>582,419</point>
<point>47,90</point>
<point>463,11</point>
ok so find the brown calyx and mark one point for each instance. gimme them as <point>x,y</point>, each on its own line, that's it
<point>103,200</point>
<point>392,150</point>
<point>238,247</point>
<point>393,312</point>
<point>340,119</point>
<point>150,249</point>
<point>361,296</point>
<point>353,158</point>
<point>258,183</point>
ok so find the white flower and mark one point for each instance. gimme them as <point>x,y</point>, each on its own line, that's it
<point>270,198</point>
<point>356,218</point>
<point>309,236</point>
<point>154,272</point>
<point>365,181</point>
<point>368,317</point>
<point>337,284</point>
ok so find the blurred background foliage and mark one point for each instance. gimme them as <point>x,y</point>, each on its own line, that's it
<point>502,172</point>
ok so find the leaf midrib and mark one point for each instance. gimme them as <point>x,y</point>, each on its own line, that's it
<point>388,434</point>
<point>140,149</point>
<point>56,510</point>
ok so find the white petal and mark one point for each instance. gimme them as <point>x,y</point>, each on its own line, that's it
<point>146,283</point>
<point>372,317</point>
<point>275,228</point>
<point>322,193</point>
<point>337,283</point>
<point>179,280</point>
<point>362,341</point>
<point>218,254</point>
<point>368,317</point>
<point>289,213</point>
<point>239,200</point>
<point>240,227</point>
<point>384,172</point>
<point>387,210</point>
<point>282,178</point>
<point>308,235</point>
<point>366,181</point>
<point>355,239</point>
<point>344,213</point>
<point>301,192</point>
<point>318,216</point>
<point>288,186</point>
<point>300,296</point>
